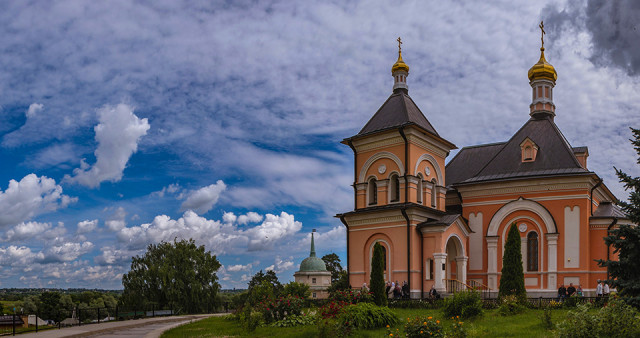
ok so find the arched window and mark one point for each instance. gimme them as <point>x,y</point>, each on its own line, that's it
<point>420,189</point>
<point>532,251</point>
<point>394,188</point>
<point>434,193</point>
<point>373,192</point>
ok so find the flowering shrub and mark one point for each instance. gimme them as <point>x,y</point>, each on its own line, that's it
<point>457,330</point>
<point>277,309</point>
<point>352,296</point>
<point>423,327</point>
<point>615,320</point>
<point>510,305</point>
<point>331,309</point>
<point>555,305</point>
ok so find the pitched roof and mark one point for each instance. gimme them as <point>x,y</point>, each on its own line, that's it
<point>398,110</point>
<point>469,160</point>
<point>500,161</point>
<point>608,210</point>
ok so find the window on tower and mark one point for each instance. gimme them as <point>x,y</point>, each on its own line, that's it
<point>394,188</point>
<point>419,191</point>
<point>373,192</point>
<point>434,193</point>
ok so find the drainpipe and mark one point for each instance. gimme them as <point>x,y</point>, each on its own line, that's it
<point>404,209</point>
<point>615,220</point>
<point>348,269</point>
<point>591,195</point>
<point>355,175</point>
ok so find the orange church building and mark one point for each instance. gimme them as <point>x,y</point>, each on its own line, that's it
<point>445,225</point>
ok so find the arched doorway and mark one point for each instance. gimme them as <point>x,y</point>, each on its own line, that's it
<point>456,264</point>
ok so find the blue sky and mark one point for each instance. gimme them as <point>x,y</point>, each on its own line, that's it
<point>127,123</point>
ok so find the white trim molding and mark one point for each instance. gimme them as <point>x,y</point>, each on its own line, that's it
<point>521,204</point>
<point>375,157</point>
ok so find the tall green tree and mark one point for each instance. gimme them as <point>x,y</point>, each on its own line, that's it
<point>180,275</point>
<point>263,285</point>
<point>512,278</point>
<point>625,239</point>
<point>49,306</point>
<point>376,282</point>
<point>332,261</point>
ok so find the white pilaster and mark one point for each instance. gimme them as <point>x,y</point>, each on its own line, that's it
<point>552,264</point>
<point>461,264</point>
<point>492,261</point>
<point>439,260</point>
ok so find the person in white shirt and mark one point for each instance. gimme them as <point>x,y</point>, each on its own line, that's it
<point>599,289</point>
<point>605,290</point>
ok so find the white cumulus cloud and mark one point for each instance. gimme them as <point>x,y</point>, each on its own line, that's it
<point>87,226</point>
<point>117,134</point>
<point>116,221</point>
<point>34,108</point>
<point>203,199</point>
<point>29,197</point>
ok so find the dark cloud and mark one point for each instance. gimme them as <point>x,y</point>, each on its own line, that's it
<point>614,27</point>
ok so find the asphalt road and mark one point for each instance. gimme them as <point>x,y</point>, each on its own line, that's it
<point>147,328</point>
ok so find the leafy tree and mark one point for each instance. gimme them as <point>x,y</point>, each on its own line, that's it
<point>342,283</point>
<point>264,285</point>
<point>49,306</point>
<point>512,278</point>
<point>625,239</point>
<point>332,261</point>
<point>270,277</point>
<point>297,289</point>
<point>179,275</point>
<point>377,276</point>
<point>29,304</point>
<point>1,308</point>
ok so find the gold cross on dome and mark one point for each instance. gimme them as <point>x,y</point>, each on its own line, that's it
<point>542,33</point>
<point>399,44</point>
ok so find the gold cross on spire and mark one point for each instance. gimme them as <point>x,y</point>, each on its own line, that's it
<point>399,45</point>
<point>542,33</point>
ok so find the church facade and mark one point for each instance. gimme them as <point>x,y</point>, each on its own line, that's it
<point>445,224</point>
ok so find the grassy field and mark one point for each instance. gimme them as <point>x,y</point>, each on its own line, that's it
<point>491,324</point>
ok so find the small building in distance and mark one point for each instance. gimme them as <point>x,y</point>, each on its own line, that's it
<point>313,272</point>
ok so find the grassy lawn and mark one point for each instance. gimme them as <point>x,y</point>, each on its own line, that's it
<point>491,324</point>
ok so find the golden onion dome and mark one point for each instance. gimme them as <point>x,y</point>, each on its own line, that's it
<point>542,69</point>
<point>399,65</point>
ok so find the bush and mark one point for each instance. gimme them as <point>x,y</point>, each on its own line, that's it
<point>296,289</point>
<point>510,305</point>
<point>423,327</point>
<point>277,309</point>
<point>295,320</point>
<point>615,320</point>
<point>331,309</point>
<point>352,296</point>
<point>366,316</point>
<point>547,323</point>
<point>465,304</point>
<point>415,304</point>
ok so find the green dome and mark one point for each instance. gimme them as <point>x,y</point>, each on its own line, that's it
<point>312,263</point>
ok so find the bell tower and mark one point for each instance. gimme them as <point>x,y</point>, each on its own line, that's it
<point>399,184</point>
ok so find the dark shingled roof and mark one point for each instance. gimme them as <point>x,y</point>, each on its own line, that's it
<point>501,161</point>
<point>446,220</point>
<point>398,110</point>
<point>469,160</point>
<point>608,210</point>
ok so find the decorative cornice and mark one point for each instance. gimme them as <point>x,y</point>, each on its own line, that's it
<point>428,146</point>
<point>537,199</point>
<point>508,188</point>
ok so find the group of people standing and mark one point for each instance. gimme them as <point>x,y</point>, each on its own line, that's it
<point>395,290</point>
<point>602,290</point>
<point>570,291</point>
